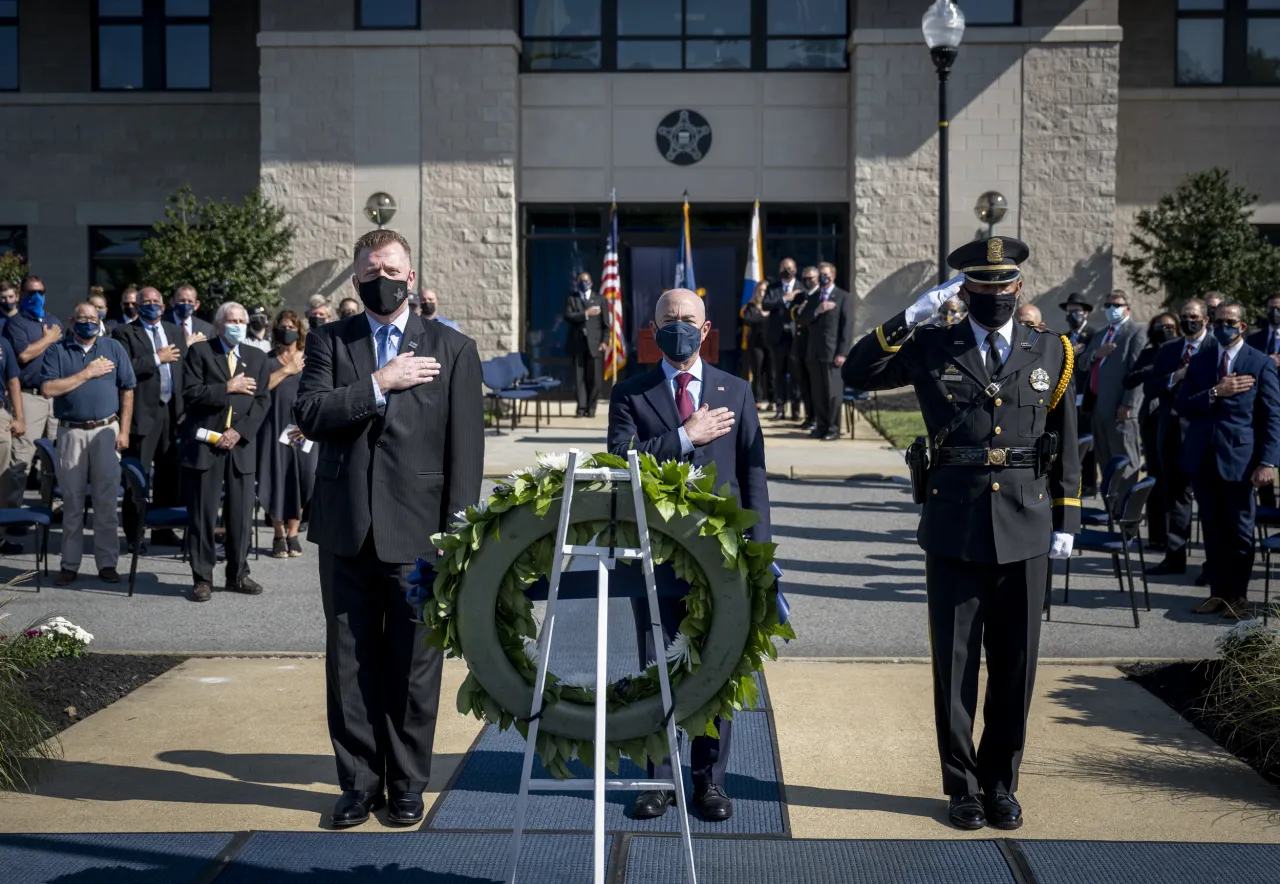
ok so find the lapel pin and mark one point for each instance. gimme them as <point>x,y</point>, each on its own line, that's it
<point>956,343</point>
<point>720,389</point>
<point>1025,345</point>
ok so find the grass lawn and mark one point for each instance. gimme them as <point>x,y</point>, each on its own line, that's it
<point>899,427</point>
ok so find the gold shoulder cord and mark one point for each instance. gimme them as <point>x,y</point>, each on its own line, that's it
<point>1068,367</point>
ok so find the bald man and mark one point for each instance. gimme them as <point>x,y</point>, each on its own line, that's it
<point>1029,315</point>
<point>157,349</point>
<point>685,409</point>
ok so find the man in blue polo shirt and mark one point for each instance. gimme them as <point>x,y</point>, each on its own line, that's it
<point>90,380</point>
<point>29,333</point>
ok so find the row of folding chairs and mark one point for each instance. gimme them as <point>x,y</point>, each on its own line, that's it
<point>507,379</point>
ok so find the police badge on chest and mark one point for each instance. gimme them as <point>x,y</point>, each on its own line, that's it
<point>1040,380</point>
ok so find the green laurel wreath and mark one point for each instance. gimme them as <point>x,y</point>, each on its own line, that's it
<point>674,488</point>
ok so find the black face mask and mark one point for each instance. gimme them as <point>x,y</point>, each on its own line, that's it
<point>382,295</point>
<point>428,308</point>
<point>788,275</point>
<point>992,311</point>
<point>1076,319</point>
<point>1191,327</point>
<point>257,322</point>
<point>1159,335</point>
<point>285,336</point>
<point>129,310</point>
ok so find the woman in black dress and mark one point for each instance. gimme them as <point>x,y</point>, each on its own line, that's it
<point>286,474</point>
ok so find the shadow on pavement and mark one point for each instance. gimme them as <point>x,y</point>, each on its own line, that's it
<point>850,799</point>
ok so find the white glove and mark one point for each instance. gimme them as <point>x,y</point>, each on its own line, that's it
<point>931,301</point>
<point>1061,546</point>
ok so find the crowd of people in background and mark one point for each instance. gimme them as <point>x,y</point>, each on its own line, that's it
<point>202,410</point>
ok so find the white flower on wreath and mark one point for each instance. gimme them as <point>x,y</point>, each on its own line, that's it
<point>585,680</point>
<point>459,519</point>
<point>553,462</point>
<point>695,473</point>
<point>680,652</point>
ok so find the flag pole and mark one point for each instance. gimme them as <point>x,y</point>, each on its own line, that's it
<point>613,325</point>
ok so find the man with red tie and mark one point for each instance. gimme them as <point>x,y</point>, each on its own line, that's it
<point>1109,357</point>
<point>685,409</point>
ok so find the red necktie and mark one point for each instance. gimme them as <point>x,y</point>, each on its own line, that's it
<point>1097,365</point>
<point>1222,366</point>
<point>1188,353</point>
<point>684,402</point>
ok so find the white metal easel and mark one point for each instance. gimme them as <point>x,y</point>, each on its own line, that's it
<point>599,784</point>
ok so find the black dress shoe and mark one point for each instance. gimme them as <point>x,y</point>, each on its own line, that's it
<point>9,548</point>
<point>651,805</point>
<point>1003,810</point>
<point>164,537</point>
<point>64,578</point>
<point>109,575</point>
<point>808,427</point>
<point>201,592</point>
<point>246,585</point>
<point>1168,566</point>
<point>353,808</point>
<point>778,416</point>
<point>965,812</point>
<point>406,808</point>
<point>832,436</point>
<point>1157,545</point>
<point>713,805</point>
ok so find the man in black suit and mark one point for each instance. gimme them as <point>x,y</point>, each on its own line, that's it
<point>1079,333</point>
<point>800,349</point>
<point>828,316</point>
<point>778,332</point>
<point>157,350</point>
<point>182,313</point>
<point>685,408</point>
<point>395,402</point>
<point>1267,340</point>
<point>225,386</point>
<point>584,310</point>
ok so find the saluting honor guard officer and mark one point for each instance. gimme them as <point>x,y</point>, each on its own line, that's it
<point>1001,496</point>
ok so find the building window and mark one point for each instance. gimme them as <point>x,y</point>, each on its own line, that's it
<point>1228,43</point>
<point>151,44</point>
<point>13,240</point>
<point>387,14</point>
<point>8,45</point>
<point>990,12</point>
<point>672,35</point>
<point>114,253</point>
<point>809,235</point>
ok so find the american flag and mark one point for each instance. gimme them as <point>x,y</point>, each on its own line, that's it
<point>615,355</point>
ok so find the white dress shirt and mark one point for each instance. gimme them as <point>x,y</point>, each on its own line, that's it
<point>695,393</point>
<point>397,334</point>
<point>1004,343</point>
<point>155,330</point>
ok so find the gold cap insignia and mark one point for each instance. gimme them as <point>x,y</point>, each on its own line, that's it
<point>995,250</point>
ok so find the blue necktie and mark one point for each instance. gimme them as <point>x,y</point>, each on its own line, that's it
<point>384,345</point>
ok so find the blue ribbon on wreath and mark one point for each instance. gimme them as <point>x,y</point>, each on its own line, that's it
<point>784,609</point>
<point>421,581</point>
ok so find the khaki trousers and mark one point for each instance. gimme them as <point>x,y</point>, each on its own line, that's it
<point>89,457</point>
<point>41,424</point>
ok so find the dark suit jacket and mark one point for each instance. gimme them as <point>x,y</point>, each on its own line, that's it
<point>830,333</point>
<point>136,339</point>
<point>778,325</point>
<point>585,332</point>
<point>204,387</point>
<point>400,471</point>
<point>642,414</point>
<point>1240,431</point>
<point>197,325</point>
<point>1261,339</point>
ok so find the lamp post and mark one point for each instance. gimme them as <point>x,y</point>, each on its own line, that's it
<point>991,209</point>
<point>380,208</point>
<point>943,26</point>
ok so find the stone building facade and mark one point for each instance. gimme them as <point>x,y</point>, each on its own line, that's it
<point>1072,111</point>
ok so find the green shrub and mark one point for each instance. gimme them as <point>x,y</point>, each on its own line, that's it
<point>24,732</point>
<point>1245,695</point>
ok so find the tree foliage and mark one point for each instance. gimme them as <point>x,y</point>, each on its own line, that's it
<point>228,251</point>
<point>13,267</point>
<point>1199,239</point>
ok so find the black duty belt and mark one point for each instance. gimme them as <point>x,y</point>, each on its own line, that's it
<point>985,457</point>
<point>88,425</point>
<point>34,391</point>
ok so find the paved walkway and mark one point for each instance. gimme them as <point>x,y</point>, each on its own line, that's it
<point>233,744</point>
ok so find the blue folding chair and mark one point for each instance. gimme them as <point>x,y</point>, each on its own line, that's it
<point>1128,520</point>
<point>851,399</point>
<point>1109,491</point>
<point>499,377</point>
<point>1268,546</point>
<point>148,517</point>
<point>27,517</point>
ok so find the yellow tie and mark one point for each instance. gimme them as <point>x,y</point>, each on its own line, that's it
<point>231,367</point>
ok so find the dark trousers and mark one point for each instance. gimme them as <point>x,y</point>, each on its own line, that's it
<point>156,448</point>
<point>828,394</point>
<point>972,606</point>
<point>382,681</point>
<point>587,368</point>
<point>708,756</point>
<point>1156,506</point>
<point>784,390</point>
<point>800,378</point>
<point>758,364</point>
<point>1226,518</point>
<point>1089,463</point>
<point>1177,494</point>
<point>204,493</point>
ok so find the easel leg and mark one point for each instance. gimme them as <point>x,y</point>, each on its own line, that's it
<point>602,712</point>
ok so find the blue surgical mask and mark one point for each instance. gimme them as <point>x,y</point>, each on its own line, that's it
<point>151,312</point>
<point>824,280</point>
<point>33,303</point>
<point>679,341</point>
<point>234,333</point>
<point>182,311</point>
<point>584,287</point>
<point>1226,335</point>
<point>86,329</point>
<point>1114,314</point>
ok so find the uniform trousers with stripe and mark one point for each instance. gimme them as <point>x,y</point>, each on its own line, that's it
<point>976,606</point>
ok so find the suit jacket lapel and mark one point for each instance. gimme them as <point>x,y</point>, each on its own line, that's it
<point>413,334</point>
<point>661,400</point>
<point>220,359</point>
<point>963,350</point>
<point>1020,356</point>
<point>359,340</point>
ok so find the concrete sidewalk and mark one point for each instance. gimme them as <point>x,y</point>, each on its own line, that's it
<point>789,453</point>
<point>234,744</point>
